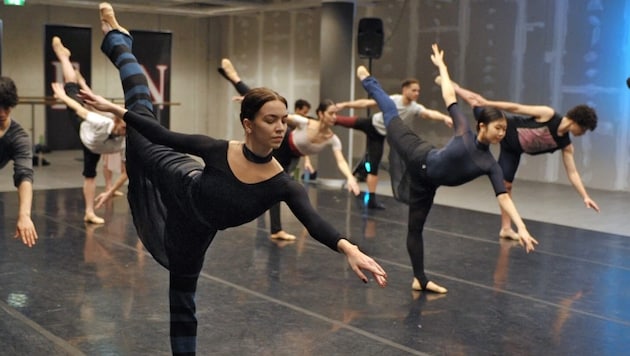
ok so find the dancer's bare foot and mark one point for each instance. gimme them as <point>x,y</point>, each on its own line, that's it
<point>430,287</point>
<point>283,235</point>
<point>108,19</point>
<point>362,72</point>
<point>509,234</point>
<point>59,48</point>
<point>229,71</point>
<point>93,219</point>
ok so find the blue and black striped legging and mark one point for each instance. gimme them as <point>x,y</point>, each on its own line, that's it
<point>142,155</point>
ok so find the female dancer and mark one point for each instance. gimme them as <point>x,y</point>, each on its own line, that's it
<point>408,109</point>
<point>465,157</point>
<point>307,137</point>
<point>99,134</point>
<point>178,204</point>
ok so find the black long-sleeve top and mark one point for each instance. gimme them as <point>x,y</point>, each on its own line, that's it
<point>220,199</point>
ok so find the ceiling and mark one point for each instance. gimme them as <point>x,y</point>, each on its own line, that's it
<point>196,8</point>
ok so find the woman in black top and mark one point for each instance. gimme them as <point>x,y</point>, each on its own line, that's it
<point>465,157</point>
<point>178,205</point>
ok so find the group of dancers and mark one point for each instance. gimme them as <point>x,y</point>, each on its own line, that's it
<point>168,191</point>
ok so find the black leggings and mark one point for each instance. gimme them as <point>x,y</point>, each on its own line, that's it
<point>374,140</point>
<point>90,159</point>
<point>412,150</point>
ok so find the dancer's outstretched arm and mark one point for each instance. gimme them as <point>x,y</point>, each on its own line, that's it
<point>448,91</point>
<point>25,229</point>
<point>60,93</point>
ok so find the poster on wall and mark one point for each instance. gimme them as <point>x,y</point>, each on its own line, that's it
<point>61,129</point>
<point>153,51</point>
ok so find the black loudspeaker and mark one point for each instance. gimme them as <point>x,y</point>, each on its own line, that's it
<point>370,38</point>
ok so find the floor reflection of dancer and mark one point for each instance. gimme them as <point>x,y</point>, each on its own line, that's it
<point>15,145</point>
<point>308,137</point>
<point>538,129</point>
<point>99,134</point>
<point>178,204</point>
<point>465,157</point>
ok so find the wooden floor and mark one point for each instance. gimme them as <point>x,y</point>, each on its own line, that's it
<point>94,290</point>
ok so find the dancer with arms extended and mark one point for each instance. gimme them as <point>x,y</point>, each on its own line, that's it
<point>536,129</point>
<point>178,204</point>
<point>307,137</point>
<point>15,145</point>
<point>374,128</point>
<point>465,157</point>
<point>99,134</point>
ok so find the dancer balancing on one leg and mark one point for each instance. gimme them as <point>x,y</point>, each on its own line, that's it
<point>307,137</point>
<point>536,129</point>
<point>99,134</point>
<point>374,128</point>
<point>465,157</point>
<point>178,204</point>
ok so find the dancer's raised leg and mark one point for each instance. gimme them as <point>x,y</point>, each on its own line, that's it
<point>141,156</point>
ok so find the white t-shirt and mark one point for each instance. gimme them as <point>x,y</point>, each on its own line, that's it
<point>301,142</point>
<point>95,133</point>
<point>405,112</point>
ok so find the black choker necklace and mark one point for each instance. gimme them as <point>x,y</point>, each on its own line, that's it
<point>252,157</point>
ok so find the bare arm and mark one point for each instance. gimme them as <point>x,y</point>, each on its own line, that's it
<point>526,240</point>
<point>357,104</point>
<point>60,94</point>
<point>102,104</point>
<point>541,112</point>
<point>353,186</point>
<point>431,114</point>
<point>448,91</point>
<point>25,228</point>
<point>574,177</point>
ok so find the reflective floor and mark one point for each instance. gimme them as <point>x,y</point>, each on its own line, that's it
<point>95,291</point>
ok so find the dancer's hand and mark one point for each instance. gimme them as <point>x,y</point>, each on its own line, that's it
<point>25,230</point>
<point>58,90</point>
<point>100,103</point>
<point>103,198</point>
<point>526,240</point>
<point>438,55</point>
<point>353,186</point>
<point>359,261</point>
<point>590,203</point>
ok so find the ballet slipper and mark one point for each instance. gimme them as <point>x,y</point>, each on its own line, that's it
<point>429,287</point>
<point>362,72</point>
<point>509,234</point>
<point>93,219</point>
<point>227,70</point>
<point>59,49</point>
<point>282,235</point>
<point>108,19</point>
